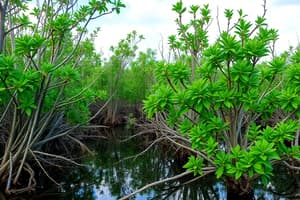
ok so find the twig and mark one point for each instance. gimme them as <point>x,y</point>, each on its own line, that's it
<point>58,157</point>
<point>263,16</point>
<point>94,126</point>
<point>218,21</point>
<point>31,178</point>
<point>291,166</point>
<point>192,150</point>
<point>48,161</point>
<point>144,151</point>
<point>156,183</point>
<point>43,169</point>
<point>83,146</point>
<point>100,110</point>
<point>10,172</point>
<point>139,134</point>
<point>198,177</point>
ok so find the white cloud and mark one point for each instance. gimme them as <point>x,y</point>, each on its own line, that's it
<point>286,2</point>
<point>155,19</point>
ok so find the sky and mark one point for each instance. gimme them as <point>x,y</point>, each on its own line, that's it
<point>156,21</point>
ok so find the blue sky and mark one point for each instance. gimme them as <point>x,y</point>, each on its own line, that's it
<point>155,20</point>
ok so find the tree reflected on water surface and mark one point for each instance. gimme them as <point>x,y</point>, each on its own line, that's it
<point>114,171</point>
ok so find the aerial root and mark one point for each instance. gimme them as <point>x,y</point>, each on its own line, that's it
<point>30,185</point>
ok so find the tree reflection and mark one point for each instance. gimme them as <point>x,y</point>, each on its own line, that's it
<point>109,175</point>
<point>285,184</point>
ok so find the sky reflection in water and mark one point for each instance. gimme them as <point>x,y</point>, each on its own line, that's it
<point>110,175</point>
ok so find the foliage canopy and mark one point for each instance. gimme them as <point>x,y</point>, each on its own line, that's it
<point>234,99</point>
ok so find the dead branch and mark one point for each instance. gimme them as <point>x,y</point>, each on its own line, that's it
<point>31,182</point>
<point>10,172</point>
<point>291,166</point>
<point>144,151</point>
<point>192,150</point>
<point>43,169</point>
<point>263,16</point>
<point>156,183</point>
<point>146,131</point>
<point>209,170</point>
<point>83,147</point>
<point>58,157</point>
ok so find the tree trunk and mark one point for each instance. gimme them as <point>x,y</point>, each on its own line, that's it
<point>3,8</point>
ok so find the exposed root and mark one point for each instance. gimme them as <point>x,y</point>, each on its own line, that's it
<point>164,133</point>
<point>83,147</point>
<point>43,169</point>
<point>143,152</point>
<point>30,185</point>
<point>58,157</point>
<point>291,166</point>
<point>156,183</point>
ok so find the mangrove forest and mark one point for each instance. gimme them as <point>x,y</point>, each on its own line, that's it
<point>198,119</point>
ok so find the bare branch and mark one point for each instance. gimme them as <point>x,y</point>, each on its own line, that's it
<point>157,183</point>
<point>43,169</point>
<point>13,28</point>
<point>263,16</point>
<point>291,166</point>
<point>58,157</point>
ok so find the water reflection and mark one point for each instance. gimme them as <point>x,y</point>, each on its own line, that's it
<point>108,175</point>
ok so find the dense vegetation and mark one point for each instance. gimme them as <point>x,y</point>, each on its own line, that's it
<point>239,111</point>
<point>50,77</point>
<point>232,104</point>
<point>126,76</point>
<point>43,53</point>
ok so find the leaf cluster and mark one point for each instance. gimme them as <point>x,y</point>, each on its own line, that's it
<point>235,101</point>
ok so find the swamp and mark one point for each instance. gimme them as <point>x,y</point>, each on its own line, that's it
<point>116,170</point>
<point>199,118</point>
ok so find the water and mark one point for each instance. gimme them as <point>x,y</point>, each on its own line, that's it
<point>113,173</point>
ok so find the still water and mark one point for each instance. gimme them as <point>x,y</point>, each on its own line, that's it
<point>114,172</point>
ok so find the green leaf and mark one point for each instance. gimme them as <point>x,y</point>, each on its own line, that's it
<point>228,104</point>
<point>273,156</point>
<point>236,151</point>
<point>231,170</point>
<point>228,13</point>
<point>250,172</point>
<point>179,8</point>
<point>219,172</point>
<point>258,168</point>
<point>194,164</point>
<point>238,174</point>
<point>206,104</point>
<point>28,45</point>
<point>28,111</point>
<point>263,157</point>
<point>264,180</point>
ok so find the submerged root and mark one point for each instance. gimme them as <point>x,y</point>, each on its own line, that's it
<point>15,188</point>
<point>163,134</point>
<point>18,176</point>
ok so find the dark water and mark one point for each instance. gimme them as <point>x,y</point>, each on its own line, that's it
<point>111,174</point>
